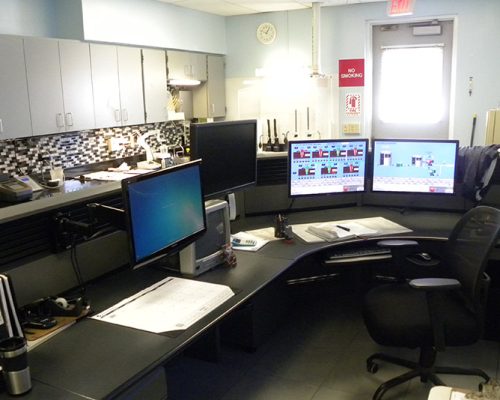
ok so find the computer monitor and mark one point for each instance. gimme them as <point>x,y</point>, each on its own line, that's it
<point>414,166</point>
<point>229,153</point>
<point>164,211</point>
<point>326,166</point>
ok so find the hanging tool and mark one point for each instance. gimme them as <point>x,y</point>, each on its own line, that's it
<point>296,134</point>
<point>269,144</point>
<point>308,133</point>
<point>474,118</point>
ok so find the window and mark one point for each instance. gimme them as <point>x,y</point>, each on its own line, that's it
<point>411,85</point>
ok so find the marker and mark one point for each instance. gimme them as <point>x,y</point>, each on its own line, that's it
<point>343,227</point>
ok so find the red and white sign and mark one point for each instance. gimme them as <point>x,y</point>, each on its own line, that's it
<point>395,8</point>
<point>352,72</point>
<point>353,104</point>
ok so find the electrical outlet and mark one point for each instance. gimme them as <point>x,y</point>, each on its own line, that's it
<point>115,144</point>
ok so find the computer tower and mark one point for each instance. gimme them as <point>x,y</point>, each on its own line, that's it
<point>208,251</point>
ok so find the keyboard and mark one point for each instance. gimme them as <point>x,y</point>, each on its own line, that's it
<point>358,255</point>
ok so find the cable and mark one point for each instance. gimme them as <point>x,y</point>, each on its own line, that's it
<point>76,265</point>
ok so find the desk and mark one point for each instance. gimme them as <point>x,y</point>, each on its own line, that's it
<point>95,360</point>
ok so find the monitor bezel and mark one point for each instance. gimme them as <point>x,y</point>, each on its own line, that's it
<point>347,140</point>
<point>173,247</point>
<point>372,166</point>
<point>194,153</point>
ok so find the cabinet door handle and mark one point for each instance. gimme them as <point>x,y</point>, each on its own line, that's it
<point>125,114</point>
<point>1,126</point>
<point>117,115</point>
<point>59,120</point>
<point>213,109</point>
<point>69,119</point>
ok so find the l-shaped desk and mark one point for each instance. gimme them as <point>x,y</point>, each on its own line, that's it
<point>97,360</point>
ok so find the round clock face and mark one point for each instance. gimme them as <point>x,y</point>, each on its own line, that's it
<point>266,33</point>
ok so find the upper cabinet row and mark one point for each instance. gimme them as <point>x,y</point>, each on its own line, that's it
<point>51,86</point>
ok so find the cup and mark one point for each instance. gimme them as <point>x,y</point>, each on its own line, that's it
<point>57,175</point>
<point>14,362</point>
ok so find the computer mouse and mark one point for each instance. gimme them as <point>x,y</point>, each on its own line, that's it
<point>424,256</point>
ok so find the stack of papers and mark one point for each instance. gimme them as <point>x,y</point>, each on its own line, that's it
<point>333,231</point>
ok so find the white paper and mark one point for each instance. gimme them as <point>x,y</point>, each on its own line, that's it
<point>169,305</point>
<point>363,227</point>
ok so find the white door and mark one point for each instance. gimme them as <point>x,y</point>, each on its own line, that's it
<point>44,85</point>
<point>412,80</point>
<point>105,84</point>
<point>76,80</point>
<point>131,90</point>
<point>155,85</point>
<point>15,120</point>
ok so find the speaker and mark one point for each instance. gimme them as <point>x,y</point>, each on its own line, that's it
<point>208,251</point>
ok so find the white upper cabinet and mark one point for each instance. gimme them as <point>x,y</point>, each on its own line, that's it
<point>186,65</point>
<point>209,99</point>
<point>15,118</point>
<point>59,85</point>
<point>106,85</point>
<point>155,85</point>
<point>76,80</point>
<point>117,82</point>
<point>131,90</point>
<point>44,85</point>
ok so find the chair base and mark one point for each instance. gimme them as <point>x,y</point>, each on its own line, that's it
<point>425,369</point>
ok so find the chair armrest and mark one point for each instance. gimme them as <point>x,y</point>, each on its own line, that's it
<point>433,284</point>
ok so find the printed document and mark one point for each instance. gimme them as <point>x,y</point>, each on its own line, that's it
<point>169,305</point>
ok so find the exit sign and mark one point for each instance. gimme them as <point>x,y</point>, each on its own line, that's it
<point>396,8</point>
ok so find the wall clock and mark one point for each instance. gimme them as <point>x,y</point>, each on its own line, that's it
<point>266,33</point>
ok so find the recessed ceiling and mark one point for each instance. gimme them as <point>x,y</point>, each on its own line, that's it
<point>228,8</point>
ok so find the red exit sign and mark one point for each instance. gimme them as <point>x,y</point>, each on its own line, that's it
<point>396,8</point>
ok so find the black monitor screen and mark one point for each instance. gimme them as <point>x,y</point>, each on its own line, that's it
<point>414,166</point>
<point>326,166</point>
<point>165,211</point>
<point>229,155</point>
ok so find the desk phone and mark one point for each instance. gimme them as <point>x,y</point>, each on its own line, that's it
<point>13,189</point>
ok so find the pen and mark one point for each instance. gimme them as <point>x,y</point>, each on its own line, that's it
<point>343,227</point>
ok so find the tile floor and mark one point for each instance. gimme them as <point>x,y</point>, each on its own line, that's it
<point>318,353</point>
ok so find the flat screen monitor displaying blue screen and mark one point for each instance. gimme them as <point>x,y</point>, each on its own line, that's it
<point>165,211</point>
<point>414,166</point>
<point>326,166</point>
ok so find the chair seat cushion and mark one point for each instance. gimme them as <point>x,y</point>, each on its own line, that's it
<point>397,315</point>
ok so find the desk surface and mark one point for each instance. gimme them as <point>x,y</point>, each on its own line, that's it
<point>80,359</point>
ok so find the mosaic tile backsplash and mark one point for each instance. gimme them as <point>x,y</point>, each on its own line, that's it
<point>34,155</point>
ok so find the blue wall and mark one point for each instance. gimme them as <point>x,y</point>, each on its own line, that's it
<point>344,35</point>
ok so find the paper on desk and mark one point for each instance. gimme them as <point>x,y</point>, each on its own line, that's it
<point>362,227</point>
<point>169,305</point>
<point>261,237</point>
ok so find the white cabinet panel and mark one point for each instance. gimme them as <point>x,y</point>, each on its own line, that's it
<point>44,85</point>
<point>117,83</point>
<point>155,85</point>
<point>15,118</point>
<point>185,65</point>
<point>77,85</point>
<point>106,85</point>
<point>209,100</point>
<point>59,85</point>
<point>131,90</point>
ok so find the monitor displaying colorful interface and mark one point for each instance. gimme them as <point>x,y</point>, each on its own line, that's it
<point>414,166</point>
<point>327,166</point>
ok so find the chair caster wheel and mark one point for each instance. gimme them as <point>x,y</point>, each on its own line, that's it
<point>371,367</point>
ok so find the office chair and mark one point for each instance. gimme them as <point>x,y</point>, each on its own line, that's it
<point>431,313</point>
